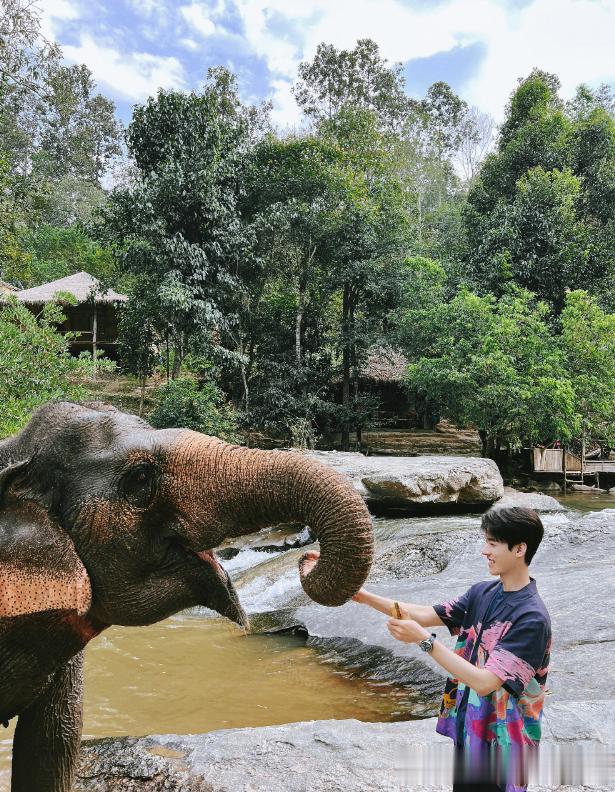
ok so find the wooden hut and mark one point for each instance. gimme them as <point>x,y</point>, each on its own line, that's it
<point>93,318</point>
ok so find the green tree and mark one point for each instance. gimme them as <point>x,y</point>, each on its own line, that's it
<point>367,248</point>
<point>177,227</point>
<point>493,364</point>
<point>50,253</point>
<point>12,218</point>
<point>293,202</point>
<point>25,60</point>
<point>139,338</point>
<point>588,345</point>
<point>182,403</point>
<point>79,134</point>
<point>359,78</point>
<point>541,210</point>
<point>35,365</point>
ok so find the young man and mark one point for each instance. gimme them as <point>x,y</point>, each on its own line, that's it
<point>493,698</point>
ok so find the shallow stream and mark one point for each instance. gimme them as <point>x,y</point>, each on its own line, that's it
<point>196,672</point>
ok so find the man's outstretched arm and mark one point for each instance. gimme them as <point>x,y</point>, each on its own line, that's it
<point>424,615</point>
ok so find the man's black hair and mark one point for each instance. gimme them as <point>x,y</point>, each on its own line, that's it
<point>514,525</point>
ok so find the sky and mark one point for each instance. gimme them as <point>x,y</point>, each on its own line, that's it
<point>480,47</point>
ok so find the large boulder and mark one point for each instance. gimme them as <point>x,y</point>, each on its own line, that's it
<point>419,484</point>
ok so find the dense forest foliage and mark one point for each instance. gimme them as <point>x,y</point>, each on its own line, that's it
<point>265,268</point>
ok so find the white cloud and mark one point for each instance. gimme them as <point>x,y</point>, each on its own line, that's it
<point>134,75</point>
<point>198,15</point>
<point>149,7</point>
<point>189,44</point>
<point>54,10</point>
<point>573,38</point>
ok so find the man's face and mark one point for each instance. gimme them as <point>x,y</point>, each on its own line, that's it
<point>501,559</point>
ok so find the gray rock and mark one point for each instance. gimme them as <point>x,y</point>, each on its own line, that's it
<point>529,500</point>
<point>585,488</point>
<point>347,755</point>
<point>416,483</point>
<point>543,486</point>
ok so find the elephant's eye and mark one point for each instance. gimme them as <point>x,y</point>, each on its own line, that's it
<point>139,485</point>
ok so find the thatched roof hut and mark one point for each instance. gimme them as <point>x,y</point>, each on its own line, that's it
<point>93,318</point>
<point>384,364</point>
<point>83,286</point>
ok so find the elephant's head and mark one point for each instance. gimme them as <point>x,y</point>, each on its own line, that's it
<point>141,511</point>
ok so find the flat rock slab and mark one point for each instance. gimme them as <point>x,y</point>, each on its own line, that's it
<point>414,483</point>
<point>347,755</point>
<point>529,500</point>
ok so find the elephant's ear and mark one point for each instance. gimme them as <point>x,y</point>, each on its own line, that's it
<point>39,567</point>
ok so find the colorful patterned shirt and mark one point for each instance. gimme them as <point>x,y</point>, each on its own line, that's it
<point>513,629</point>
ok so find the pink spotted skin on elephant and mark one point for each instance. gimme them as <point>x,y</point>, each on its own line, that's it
<point>104,520</point>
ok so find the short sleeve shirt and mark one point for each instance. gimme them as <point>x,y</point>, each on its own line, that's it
<point>509,634</point>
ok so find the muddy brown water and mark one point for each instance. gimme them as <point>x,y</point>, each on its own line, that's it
<point>195,674</point>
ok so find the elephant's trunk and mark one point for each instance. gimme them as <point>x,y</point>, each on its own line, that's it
<point>227,491</point>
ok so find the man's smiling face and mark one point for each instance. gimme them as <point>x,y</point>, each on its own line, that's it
<point>501,559</point>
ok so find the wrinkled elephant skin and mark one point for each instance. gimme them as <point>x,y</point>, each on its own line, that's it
<point>104,520</point>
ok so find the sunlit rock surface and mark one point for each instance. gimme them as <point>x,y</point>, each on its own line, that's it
<point>418,483</point>
<point>529,500</point>
<point>347,755</point>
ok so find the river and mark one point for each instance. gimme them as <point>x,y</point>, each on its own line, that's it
<point>196,672</point>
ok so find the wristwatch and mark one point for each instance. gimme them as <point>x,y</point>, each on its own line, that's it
<point>427,643</point>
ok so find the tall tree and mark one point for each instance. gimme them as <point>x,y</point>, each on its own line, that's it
<point>368,247</point>
<point>541,210</point>
<point>177,225</point>
<point>358,78</point>
<point>588,345</point>
<point>25,61</point>
<point>80,135</point>
<point>293,196</point>
<point>493,364</point>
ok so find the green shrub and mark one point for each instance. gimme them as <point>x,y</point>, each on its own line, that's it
<point>35,365</point>
<point>183,404</point>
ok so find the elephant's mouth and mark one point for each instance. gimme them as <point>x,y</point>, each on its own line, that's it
<point>219,592</point>
<point>210,558</point>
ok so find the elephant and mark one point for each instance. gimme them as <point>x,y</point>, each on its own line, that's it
<point>105,520</point>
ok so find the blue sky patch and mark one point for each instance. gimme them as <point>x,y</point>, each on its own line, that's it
<point>455,66</point>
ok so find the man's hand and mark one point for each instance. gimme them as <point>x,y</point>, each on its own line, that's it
<point>407,630</point>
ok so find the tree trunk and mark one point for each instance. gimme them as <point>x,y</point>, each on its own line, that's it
<point>142,399</point>
<point>94,342</point>
<point>298,320</point>
<point>355,377</point>
<point>246,391</point>
<point>345,367</point>
<point>483,442</point>
<point>168,360</point>
<point>420,216</point>
<point>178,357</point>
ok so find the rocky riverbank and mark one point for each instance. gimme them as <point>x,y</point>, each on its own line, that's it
<point>421,559</point>
<point>348,756</point>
